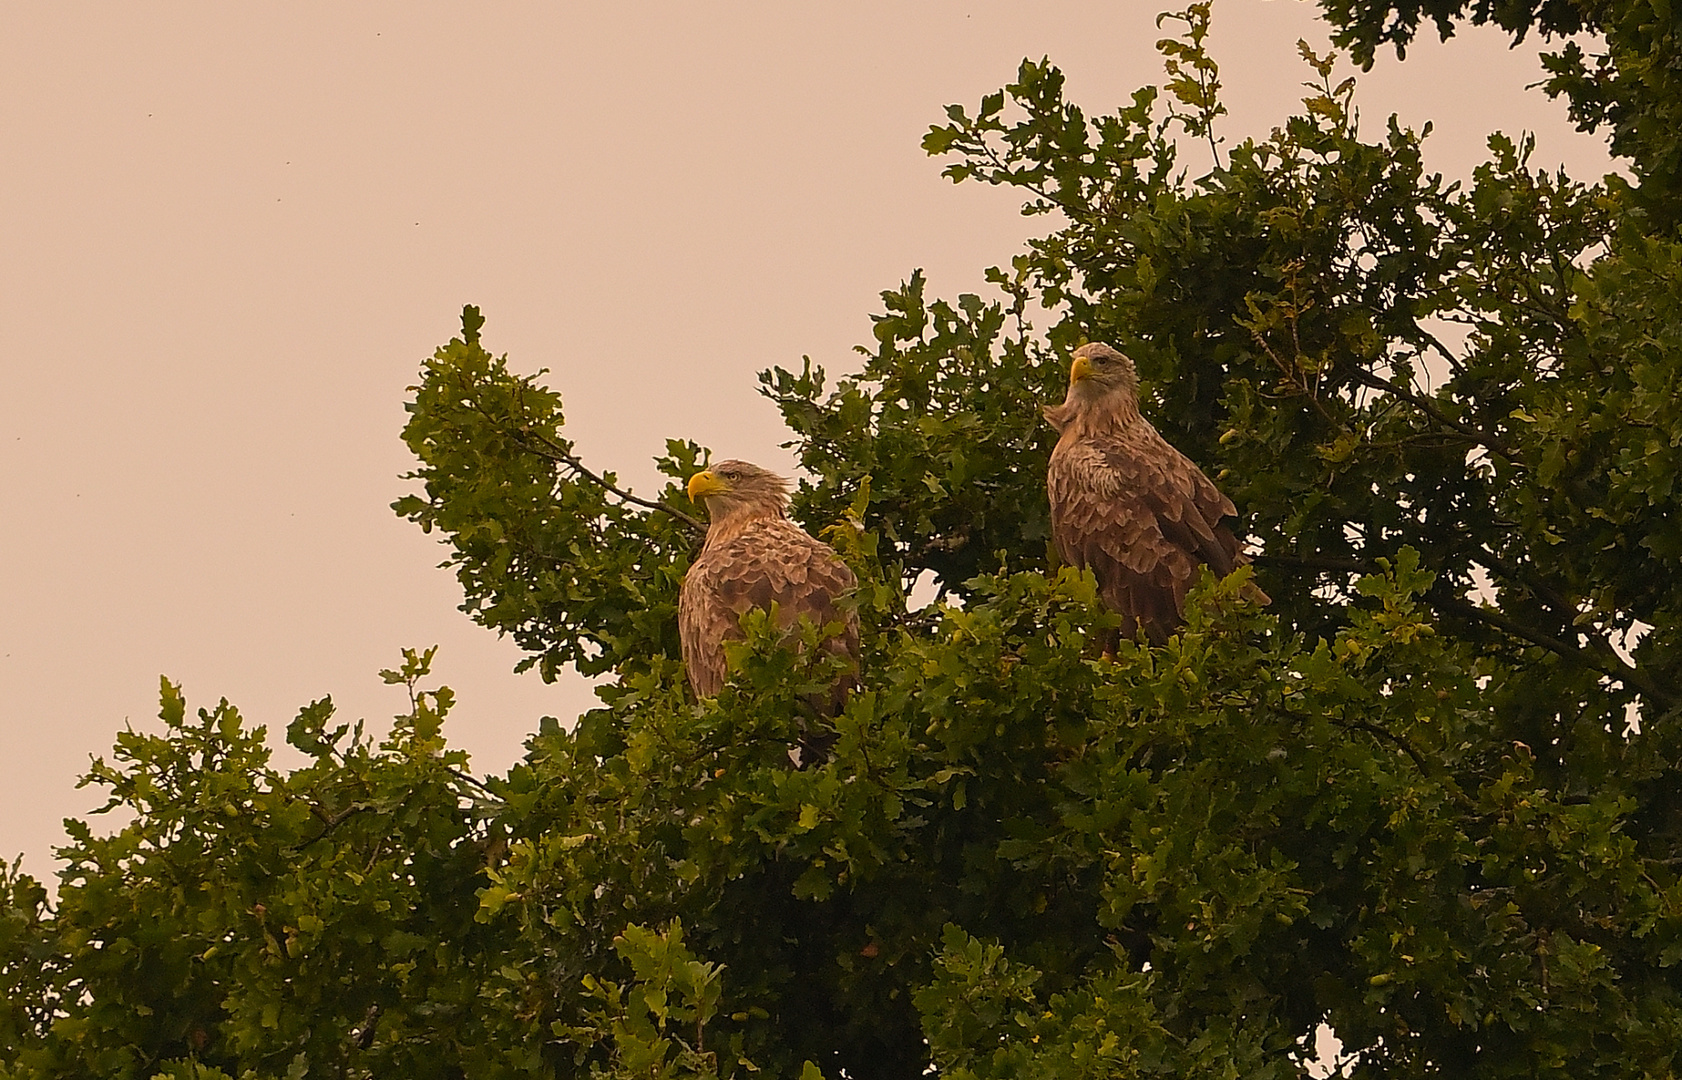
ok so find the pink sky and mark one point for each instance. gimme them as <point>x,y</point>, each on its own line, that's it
<point>229,234</point>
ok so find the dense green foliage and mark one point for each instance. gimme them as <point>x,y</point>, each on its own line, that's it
<point>1627,81</point>
<point>1428,797</point>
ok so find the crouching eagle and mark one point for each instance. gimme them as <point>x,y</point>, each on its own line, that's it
<point>755,557</point>
<point>1129,506</point>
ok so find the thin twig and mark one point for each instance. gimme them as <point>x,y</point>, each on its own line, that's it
<point>1611,666</point>
<point>329,822</point>
<point>1429,408</point>
<point>1389,736</point>
<point>1398,741</point>
<point>1293,373</point>
<point>1563,608</point>
<point>1448,784</point>
<point>1315,562</point>
<point>551,450</point>
<point>466,779</point>
<point>1431,339</point>
<point>1002,166</point>
<point>1594,658</point>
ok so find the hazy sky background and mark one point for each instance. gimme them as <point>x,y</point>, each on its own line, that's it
<point>229,235</point>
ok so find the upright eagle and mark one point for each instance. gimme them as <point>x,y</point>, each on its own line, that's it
<point>755,557</point>
<point>1129,506</point>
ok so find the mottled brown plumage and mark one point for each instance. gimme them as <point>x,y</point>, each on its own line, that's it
<point>755,557</point>
<point>1128,505</point>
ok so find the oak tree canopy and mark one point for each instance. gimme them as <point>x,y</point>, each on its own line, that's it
<point>1428,799</point>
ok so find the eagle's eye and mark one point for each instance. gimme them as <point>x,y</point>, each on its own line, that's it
<point>730,474</point>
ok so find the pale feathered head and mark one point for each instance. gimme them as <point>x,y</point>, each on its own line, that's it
<point>1099,377</point>
<point>733,487</point>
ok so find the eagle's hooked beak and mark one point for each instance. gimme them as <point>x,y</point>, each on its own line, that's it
<point>1080,369</point>
<point>705,483</point>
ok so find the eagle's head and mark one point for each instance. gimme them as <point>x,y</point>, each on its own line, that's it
<point>732,487</point>
<point>1099,370</point>
<point>1102,383</point>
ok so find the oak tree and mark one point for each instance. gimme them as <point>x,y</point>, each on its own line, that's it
<point>1427,800</point>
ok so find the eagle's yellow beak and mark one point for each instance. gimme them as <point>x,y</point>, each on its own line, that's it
<point>704,483</point>
<point>1080,369</point>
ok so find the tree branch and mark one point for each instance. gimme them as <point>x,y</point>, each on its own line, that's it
<point>329,822</point>
<point>1316,562</point>
<point>1608,665</point>
<point>551,450</point>
<point>466,779</point>
<point>1406,747</point>
<point>1390,737</point>
<point>1566,611</point>
<point>1598,657</point>
<point>1454,362</point>
<point>1429,408</point>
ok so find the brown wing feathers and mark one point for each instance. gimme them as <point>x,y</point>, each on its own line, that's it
<point>1124,503</point>
<point>755,557</point>
<point>1129,506</point>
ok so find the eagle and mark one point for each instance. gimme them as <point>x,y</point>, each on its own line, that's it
<point>755,557</point>
<point>1129,506</point>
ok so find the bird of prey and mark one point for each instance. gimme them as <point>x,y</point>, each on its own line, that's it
<point>1128,505</point>
<point>755,557</point>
